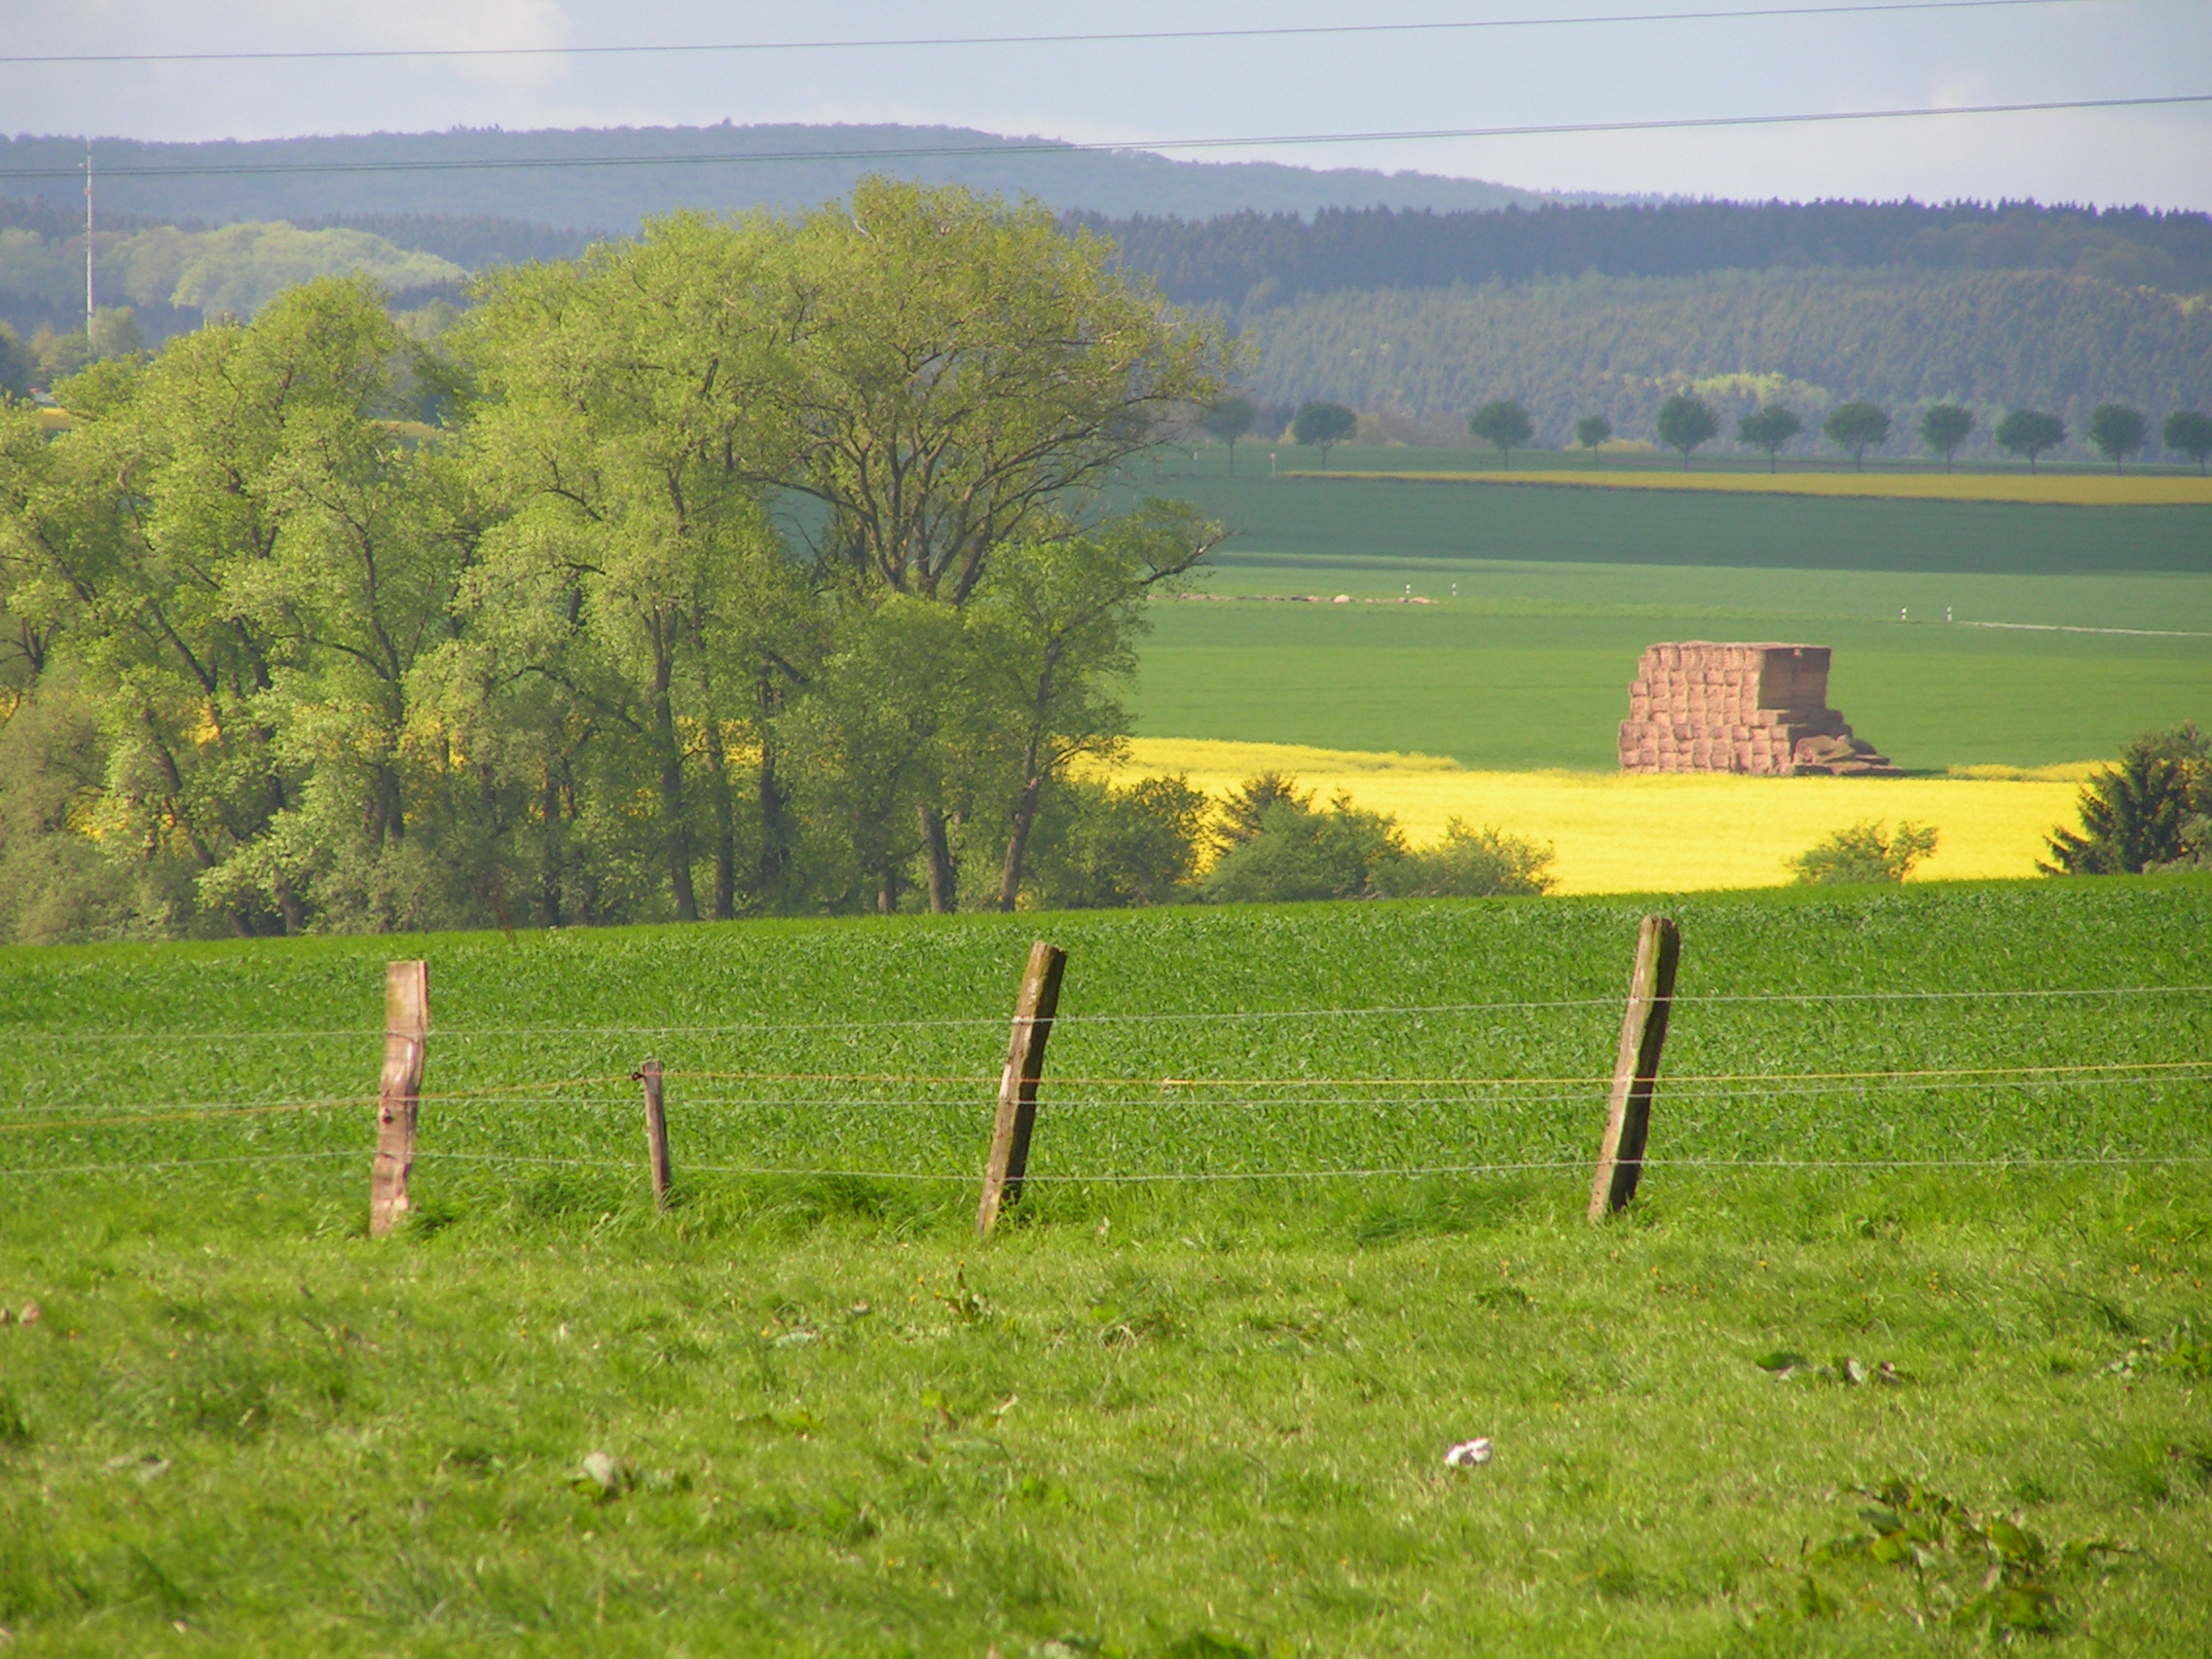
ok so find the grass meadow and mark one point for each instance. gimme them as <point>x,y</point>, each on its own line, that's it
<point>1305,1209</point>
<point>2073,628</point>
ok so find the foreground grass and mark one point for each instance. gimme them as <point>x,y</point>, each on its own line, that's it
<point>809,1415</point>
<point>839,1432</point>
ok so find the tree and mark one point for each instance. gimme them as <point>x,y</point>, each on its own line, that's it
<point>1050,627</point>
<point>1297,853</point>
<point>1470,864</point>
<point>1866,852</point>
<point>1769,430</point>
<point>626,407</point>
<point>1687,421</point>
<point>1228,420</point>
<point>2030,432</point>
<point>2118,431</point>
<point>1097,847</point>
<point>1243,806</point>
<point>961,372</point>
<point>17,364</point>
<point>1944,427</point>
<point>2138,813</point>
<point>1591,432</point>
<point>1857,428</point>
<point>2188,433</point>
<point>962,375</point>
<point>115,332</point>
<point>1322,425</point>
<point>1502,424</point>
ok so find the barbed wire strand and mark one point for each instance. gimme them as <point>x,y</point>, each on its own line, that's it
<point>1081,1019</point>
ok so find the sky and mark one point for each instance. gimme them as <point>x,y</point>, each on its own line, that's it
<point>1135,91</point>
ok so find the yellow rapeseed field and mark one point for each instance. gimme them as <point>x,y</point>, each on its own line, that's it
<point>2070,489</point>
<point>1620,832</point>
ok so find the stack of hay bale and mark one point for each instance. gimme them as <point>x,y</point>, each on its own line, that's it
<point>1699,707</point>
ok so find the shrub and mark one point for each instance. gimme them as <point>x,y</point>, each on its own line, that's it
<point>1866,852</point>
<point>1100,848</point>
<point>1298,853</point>
<point>1470,864</point>
<point>2138,815</point>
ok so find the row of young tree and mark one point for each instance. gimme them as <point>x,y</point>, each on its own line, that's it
<point>1685,422</point>
<point>767,565</point>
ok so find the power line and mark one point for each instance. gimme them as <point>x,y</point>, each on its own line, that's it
<point>1003,147</point>
<point>1278,32</point>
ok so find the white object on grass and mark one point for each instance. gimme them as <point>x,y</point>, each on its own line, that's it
<point>1468,1453</point>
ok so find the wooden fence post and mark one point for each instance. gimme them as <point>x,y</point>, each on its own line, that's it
<point>1643,1032</point>
<point>1033,1015</point>
<point>406,1023</point>
<point>656,1131</point>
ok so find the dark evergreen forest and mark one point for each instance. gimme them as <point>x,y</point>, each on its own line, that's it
<point>1254,259</point>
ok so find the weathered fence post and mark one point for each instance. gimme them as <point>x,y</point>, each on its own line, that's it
<point>406,1023</point>
<point>656,1129</point>
<point>1033,1015</point>
<point>1643,1032</point>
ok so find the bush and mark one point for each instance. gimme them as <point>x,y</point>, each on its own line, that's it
<point>1098,848</point>
<point>2137,815</point>
<point>1470,864</point>
<point>1866,852</point>
<point>1278,848</point>
<point>1295,852</point>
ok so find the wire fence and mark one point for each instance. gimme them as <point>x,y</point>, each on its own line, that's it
<point>1999,1080</point>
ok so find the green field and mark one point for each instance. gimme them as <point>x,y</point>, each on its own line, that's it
<point>1528,662</point>
<point>1161,1412</point>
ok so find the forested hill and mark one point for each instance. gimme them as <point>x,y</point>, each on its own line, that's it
<point>655,169</point>
<point>1619,346</point>
<point>1258,259</point>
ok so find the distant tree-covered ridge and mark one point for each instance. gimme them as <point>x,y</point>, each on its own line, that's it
<point>176,277</point>
<point>1986,340</point>
<point>652,171</point>
<point>1253,260</point>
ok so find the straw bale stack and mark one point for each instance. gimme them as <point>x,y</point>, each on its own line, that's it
<point>1762,709</point>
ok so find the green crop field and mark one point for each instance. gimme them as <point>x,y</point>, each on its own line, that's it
<point>1546,597</point>
<point>1306,1210</point>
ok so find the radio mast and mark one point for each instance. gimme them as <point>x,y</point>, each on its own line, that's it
<point>90,305</point>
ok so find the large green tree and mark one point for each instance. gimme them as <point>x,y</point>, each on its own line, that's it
<point>629,410</point>
<point>1687,421</point>
<point>1323,426</point>
<point>1228,420</point>
<point>1769,430</point>
<point>1857,426</point>
<point>2118,431</point>
<point>2030,432</point>
<point>1503,425</point>
<point>1944,427</point>
<point>239,550</point>
<point>1057,622</point>
<point>2189,431</point>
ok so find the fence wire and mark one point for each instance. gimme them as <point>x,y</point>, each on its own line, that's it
<point>929,1122</point>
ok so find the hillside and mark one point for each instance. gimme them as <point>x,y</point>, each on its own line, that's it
<point>1253,259</point>
<point>1619,346</point>
<point>490,172</point>
<point>173,278</point>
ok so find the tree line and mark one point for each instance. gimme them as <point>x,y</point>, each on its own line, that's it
<point>750,567</point>
<point>1252,260</point>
